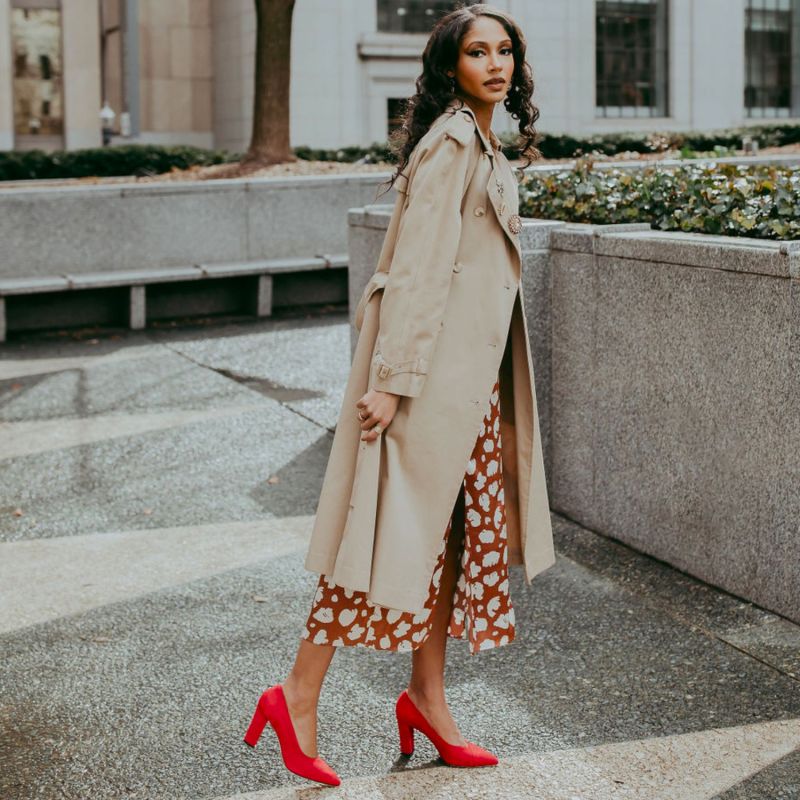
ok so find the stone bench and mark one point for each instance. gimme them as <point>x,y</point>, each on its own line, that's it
<point>137,281</point>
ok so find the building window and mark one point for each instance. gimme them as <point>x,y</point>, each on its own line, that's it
<point>631,58</point>
<point>772,58</point>
<point>412,16</point>
<point>38,72</point>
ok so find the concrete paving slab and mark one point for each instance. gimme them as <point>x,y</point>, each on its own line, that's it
<point>215,469</point>
<point>152,586</point>
<point>19,439</point>
<point>778,781</point>
<point>300,367</point>
<point>740,623</point>
<point>168,680</point>
<point>692,766</point>
<point>20,367</point>
<point>79,573</point>
<point>111,385</point>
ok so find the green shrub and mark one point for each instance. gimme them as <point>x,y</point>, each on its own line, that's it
<point>105,161</point>
<point>735,200</point>
<point>692,142</point>
<point>139,160</point>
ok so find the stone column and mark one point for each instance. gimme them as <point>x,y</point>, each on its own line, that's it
<point>82,89</point>
<point>717,49</point>
<point>6,79</point>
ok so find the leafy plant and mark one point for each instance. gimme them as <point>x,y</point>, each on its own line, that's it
<point>154,160</point>
<point>105,161</point>
<point>758,201</point>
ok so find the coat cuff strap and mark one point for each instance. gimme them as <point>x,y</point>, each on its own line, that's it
<point>405,379</point>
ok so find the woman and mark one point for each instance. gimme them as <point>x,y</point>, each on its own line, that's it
<point>435,483</point>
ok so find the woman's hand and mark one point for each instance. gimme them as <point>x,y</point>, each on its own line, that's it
<point>376,407</point>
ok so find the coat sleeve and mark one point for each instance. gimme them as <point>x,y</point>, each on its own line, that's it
<point>421,269</point>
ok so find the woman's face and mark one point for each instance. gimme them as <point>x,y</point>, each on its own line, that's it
<point>484,54</point>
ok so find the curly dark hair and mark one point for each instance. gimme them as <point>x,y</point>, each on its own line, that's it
<point>434,90</point>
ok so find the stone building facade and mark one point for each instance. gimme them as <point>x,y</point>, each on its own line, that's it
<point>182,71</point>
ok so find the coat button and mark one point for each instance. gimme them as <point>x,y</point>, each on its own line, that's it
<point>514,223</point>
<point>457,267</point>
<point>479,211</point>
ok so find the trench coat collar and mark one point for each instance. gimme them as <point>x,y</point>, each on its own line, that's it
<point>489,145</point>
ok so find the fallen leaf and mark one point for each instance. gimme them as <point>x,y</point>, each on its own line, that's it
<point>273,479</point>
<point>17,512</point>
<point>259,599</point>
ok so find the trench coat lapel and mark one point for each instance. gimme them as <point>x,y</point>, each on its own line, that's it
<point>505,204</point>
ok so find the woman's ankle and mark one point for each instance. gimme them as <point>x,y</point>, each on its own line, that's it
<point>430,694</point>
<point>302,694</point>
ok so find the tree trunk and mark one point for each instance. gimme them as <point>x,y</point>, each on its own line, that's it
<point>270,143</point>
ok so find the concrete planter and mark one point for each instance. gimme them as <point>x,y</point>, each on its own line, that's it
<point>122,227</point>
<point>83,255</point>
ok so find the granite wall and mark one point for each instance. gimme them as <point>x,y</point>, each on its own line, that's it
<point>135,226</point>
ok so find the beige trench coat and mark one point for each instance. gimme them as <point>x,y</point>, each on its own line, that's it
<point>439,321</point>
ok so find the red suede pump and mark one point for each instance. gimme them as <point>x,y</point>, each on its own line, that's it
<point>410,717</point>
<point>272,708</point>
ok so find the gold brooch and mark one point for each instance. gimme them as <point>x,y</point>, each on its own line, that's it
<point>514,223</point>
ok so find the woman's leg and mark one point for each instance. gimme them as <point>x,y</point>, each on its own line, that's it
<point>302,688</point>
<point>426,687</point>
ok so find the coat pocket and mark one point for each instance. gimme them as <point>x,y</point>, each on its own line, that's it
<point>376,282</point>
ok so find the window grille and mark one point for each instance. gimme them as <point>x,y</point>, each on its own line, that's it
<point>37,73</point>
<point>412,16</point>
<point>632,58</point>
<point>772,58</point>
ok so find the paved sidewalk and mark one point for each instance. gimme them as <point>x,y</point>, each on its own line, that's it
<point>157,491</point>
